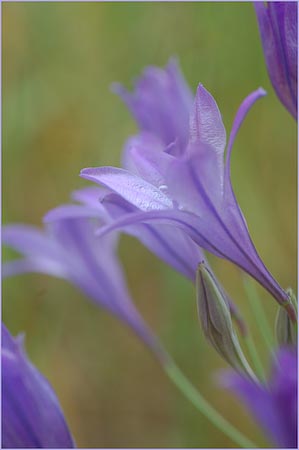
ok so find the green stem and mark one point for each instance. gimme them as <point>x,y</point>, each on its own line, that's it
<point>259,313</point>
<point>191,393</point>
<point>255,357</point>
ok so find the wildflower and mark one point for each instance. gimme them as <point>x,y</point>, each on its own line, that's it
<point>31,414</point>
<point>273,405</point>
<point>184,256</point>
<point>67,248</point>
<point>187,187</point>
<point>278,29</point>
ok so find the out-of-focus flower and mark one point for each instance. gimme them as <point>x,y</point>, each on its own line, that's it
<point>273,405</point>
<point>278,30</point>
<point>215,318</point>
<point>68,248</point>
<point>188,187</point>
<point>161,103</point>
<point>31,414</point>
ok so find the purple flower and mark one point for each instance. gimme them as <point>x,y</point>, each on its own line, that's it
<point>278,30</point>
<point>273,405</point>
<point>68,248</point>
<point>31,414</point>
<point>186,187</point>
<point>184,256</point>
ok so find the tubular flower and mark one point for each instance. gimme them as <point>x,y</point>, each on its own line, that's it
<point>273,405</point>
<point>31,414</point>
<point>278,29</point>
<point>68,248</point>
<point>184,256</point>
<point>189,186</point>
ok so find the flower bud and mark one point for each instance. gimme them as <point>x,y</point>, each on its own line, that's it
<point>285,329</point>
<point>215,317</point>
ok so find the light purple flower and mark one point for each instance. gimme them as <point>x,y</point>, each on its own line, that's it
<point>184,256</point>
<point>31,414</point>
<point>188,187</point>
<point>68,248</point>
<point>278,29</point>
<point>273,405</point>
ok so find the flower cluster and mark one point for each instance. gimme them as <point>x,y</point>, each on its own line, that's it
<point>174,194</point>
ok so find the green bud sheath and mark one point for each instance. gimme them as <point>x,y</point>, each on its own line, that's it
<point>216,321</point>
<point>285,329</point>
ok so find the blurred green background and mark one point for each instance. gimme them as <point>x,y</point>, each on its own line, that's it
<point>60,116</point>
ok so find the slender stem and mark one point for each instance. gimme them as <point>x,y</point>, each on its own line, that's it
<point>259,313</point>
<point>255,357</point>
<point>192,394</point>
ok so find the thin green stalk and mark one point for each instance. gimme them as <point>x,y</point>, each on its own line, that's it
<point>259,313</point>
<point>256,361</point>
<point>191,393</point>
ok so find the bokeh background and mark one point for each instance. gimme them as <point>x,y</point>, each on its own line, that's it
<point>59,116</point>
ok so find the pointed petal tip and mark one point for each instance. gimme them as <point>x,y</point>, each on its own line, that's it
<point>87,172</point>
<point>261,91</point>
<point>117,88</point>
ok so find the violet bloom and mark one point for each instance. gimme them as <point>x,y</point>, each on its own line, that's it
<point>273,405</point>
<point>67,248</point>
<point>31,414</point>
<point>278,30</point>
<point>185,186</point>
<point>184,256</point>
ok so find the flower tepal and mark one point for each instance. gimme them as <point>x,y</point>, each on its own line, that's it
<point>31,414</point>
<point>278,29</point>
<point>190,187</point>
<point>273,405</point>
<point>68,248</point>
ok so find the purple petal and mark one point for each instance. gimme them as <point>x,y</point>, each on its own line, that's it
<point>33,265</point>
<point>274,405</point>
<point>89,196</point>
<point>131,187</point>
<point>242,112</point>
<point>206,124</point>
<point>149,163</point>
<point>278,30</point>
<point>30,240</point>
<point>160,103</point>
<point>31,414</point>
<point>76,211</point>
<point>70,249</point>
<point>184,256</point>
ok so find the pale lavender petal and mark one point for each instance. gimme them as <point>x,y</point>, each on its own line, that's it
<point>76,211</point>
<point>81,258</point>
<point>89,196</point>
<point>31,414</point>
<point>34,265</point>
<point>206,124</point>
<point>184,256</point>
<point>131,187</point>
<point>242,112</point>
<point>150,165</point>
<point>161,103</point>
<point>30,240</point>
<point>148,142</point>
